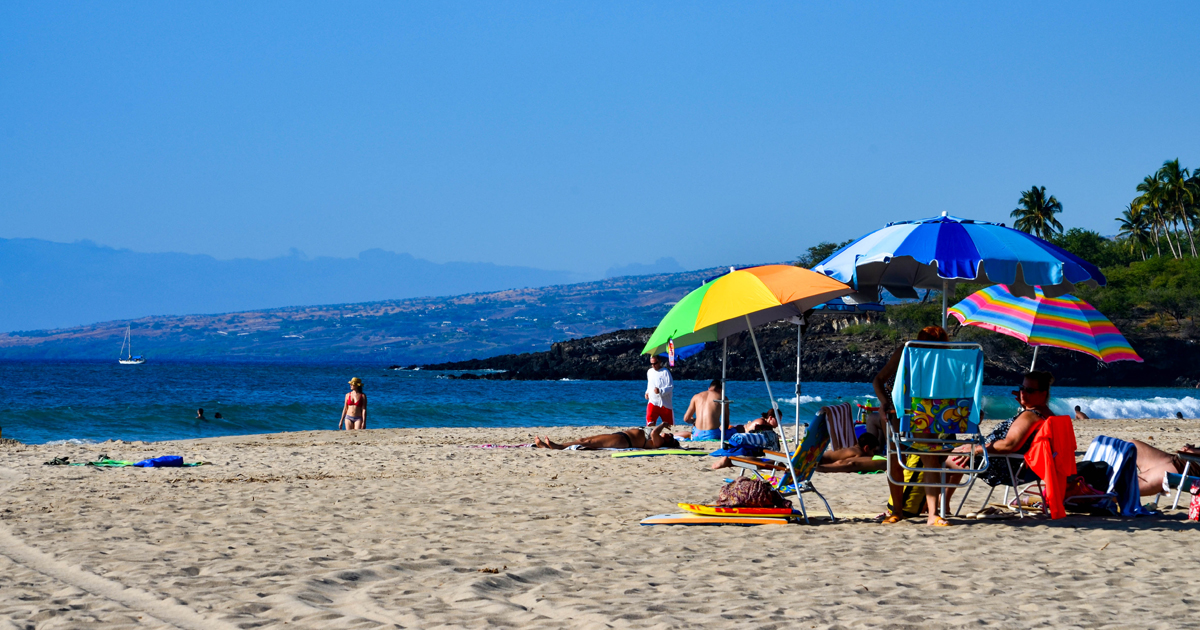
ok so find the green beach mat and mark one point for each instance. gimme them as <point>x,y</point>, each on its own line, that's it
<point>658,451</point>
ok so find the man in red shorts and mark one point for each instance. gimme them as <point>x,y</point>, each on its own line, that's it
<point>658,393</point>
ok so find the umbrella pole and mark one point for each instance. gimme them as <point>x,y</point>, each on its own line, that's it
<point>724,399</point>
<point>1031,365</point>
<point>945,286</point>
<point>799,341</point>
<point>763,368</point>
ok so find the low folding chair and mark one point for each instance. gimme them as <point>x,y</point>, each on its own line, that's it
<point>1190,463</point>
<point>938,394</point>
<point>790,475</point>
<point>1018,488</point>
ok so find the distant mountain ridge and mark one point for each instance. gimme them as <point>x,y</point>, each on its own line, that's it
<point>53,285</point>
<point>414,330</point>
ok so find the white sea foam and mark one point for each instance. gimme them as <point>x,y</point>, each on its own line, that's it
<point>804,400</point>
<point>1119,408</point>
<point>72,442</point>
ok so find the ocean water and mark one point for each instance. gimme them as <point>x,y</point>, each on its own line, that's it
<point>92,402</point>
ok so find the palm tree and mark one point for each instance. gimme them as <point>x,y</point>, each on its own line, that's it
<point>1035,214</point>
<point>1177,196</point>
<point>1151,199</point>
<point>1135,228</point>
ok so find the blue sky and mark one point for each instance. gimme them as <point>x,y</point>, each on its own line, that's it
<point>575,136</point>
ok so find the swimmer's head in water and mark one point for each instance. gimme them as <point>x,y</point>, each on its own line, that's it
<point>933,333</point>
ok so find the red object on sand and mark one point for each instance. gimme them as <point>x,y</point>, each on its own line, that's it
<point>1194,508</point>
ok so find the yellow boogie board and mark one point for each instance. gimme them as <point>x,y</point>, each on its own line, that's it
<point>712,510</point>
<point>700,519</point>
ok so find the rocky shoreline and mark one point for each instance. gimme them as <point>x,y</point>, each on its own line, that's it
<point>831,355</point>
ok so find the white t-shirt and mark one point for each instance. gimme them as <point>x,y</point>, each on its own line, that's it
<point>662,380</point>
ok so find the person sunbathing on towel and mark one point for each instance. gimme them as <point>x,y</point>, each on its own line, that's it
<point>862,457</point>
<point>629,438</point>
<point>1154,464</point>
<point>750,440</point>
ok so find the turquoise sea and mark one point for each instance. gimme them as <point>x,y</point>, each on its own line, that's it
<point>44,402</point>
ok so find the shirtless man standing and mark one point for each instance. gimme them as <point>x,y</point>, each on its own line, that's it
<point>704,411</point>
<point>1154,464</point>
<point>629,438</point>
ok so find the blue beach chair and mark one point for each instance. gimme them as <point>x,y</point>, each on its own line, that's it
<point>790,475</point>
<point>938,395</point>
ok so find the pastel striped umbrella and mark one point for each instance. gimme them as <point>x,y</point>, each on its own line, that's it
<point>1060,322</point>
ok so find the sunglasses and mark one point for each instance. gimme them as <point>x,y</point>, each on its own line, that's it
<point>1029,390</point>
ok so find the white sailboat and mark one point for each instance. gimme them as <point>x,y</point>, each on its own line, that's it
<point>127,358</point>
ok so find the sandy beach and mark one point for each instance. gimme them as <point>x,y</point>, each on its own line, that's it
<point>409,528</point>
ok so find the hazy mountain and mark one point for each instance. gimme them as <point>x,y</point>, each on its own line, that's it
<point>415,330</point>
<point>662,265</point>
<point>53,285</point>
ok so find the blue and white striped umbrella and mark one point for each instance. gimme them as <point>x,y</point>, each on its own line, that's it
<point>935,253</point>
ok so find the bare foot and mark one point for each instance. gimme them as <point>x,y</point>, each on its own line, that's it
<point>937,521</point>
<point>722,463</point>
<point>541,442</point>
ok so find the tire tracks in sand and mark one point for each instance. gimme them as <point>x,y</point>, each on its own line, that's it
<point>136,599</point>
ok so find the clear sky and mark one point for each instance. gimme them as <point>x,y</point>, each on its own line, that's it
<point>571,135</point>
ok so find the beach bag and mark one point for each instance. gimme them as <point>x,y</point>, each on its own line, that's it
<point>914,497</point>
<point>750,492</point>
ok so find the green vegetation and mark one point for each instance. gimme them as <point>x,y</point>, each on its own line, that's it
<point>1152,264</point>
<point>1035,213</point>
<point>819,252</point>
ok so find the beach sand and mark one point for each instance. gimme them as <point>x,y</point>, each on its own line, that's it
<point>408,528</point>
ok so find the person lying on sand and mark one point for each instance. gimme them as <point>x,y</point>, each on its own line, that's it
<point>1154,464</point>
<point>862,457</point>
<point>704,411</point>
<point>629,438</point>
<point>749,440</point>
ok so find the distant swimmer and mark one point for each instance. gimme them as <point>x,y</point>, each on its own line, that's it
<point>354,410</point>
<point>200,414</point>
<point>217,416</point>
<point>1079,415</point>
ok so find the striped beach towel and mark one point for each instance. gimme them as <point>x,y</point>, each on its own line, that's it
<point>840,421</point>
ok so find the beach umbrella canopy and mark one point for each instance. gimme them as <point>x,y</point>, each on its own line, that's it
<point>720,307</point>
<point>1061,322</point>
<point>935,253</point>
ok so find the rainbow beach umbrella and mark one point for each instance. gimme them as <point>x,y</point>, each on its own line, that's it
<point>1060,322</point>
<point>740,300</point>
<point>737,302</point>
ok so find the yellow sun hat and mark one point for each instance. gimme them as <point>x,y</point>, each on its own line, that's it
<point>356,382</point>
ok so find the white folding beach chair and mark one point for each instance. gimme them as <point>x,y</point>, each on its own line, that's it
<point>938,394</point>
